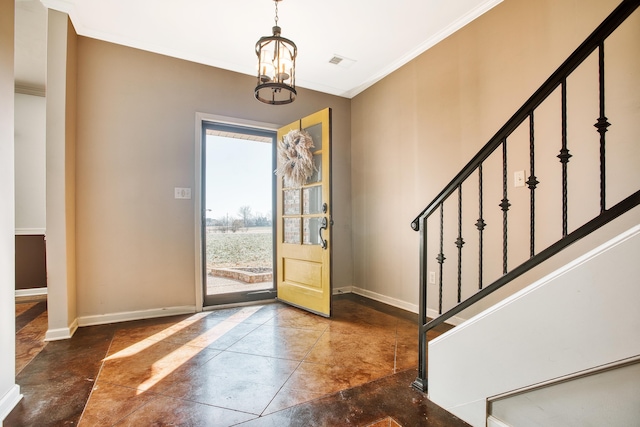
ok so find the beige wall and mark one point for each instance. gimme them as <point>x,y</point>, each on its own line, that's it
<point>135,133</point>
<point>415,129</point>
<point>61,176</point>
<point>30,164</point>
<point>9,391</point>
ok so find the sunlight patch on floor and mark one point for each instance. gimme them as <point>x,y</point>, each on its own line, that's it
<point>166,365</point>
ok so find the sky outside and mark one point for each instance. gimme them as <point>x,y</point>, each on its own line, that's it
<point>238,173</point>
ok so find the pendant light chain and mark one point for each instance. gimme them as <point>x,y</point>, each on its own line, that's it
<point>276,19</point>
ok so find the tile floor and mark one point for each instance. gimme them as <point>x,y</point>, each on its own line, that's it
<point>31,326</point>
<point>260,365</point>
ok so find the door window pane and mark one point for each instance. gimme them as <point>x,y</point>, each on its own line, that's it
<point>287,183</point>
<point>292,202</point>
<point>311,231</point>
<point>292,230</point>
<point>317,173</point>
<point>312,200</point>
<point>315,132</point>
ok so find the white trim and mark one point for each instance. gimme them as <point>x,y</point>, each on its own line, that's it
<point>215,118</point>
<point>495,422</point>
<point>125,316</point>
<point>62,333</point>
<point>197,194</point>
<point>197,210</point>
<point>413,308</point>
<point>61,5</point>
<point>31,292</point>
<point>31,231</point>
<point>565,378</point>
<point>9,401</point>
<point>343,290</point>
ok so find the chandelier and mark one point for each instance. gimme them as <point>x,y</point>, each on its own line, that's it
<point>276,67</point>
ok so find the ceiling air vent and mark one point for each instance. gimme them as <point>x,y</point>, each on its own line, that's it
<point>341,61</point>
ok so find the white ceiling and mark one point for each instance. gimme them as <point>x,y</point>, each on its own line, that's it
<point>377,36</point>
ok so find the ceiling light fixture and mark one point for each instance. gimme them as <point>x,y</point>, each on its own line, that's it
<point>276,67</point>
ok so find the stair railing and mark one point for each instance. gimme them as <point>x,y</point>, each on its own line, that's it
<point>596,41</point>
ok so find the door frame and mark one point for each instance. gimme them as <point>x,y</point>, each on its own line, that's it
<point>201,118</point>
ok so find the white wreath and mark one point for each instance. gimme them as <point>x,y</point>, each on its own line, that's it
<point>295,160</point>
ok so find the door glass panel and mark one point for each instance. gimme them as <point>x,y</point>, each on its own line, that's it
<point>292,230</point>
<point>315,132</point>
<point>311,231</point>
<point>237,230</point>
<point>287,183</point>
<point>292,202</point>
<point>312,200</point>
<point>317,173</point>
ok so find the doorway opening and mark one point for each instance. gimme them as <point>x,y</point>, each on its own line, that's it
<point>238,231</point>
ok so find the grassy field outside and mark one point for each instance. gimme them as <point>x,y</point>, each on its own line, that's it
<point>248,247</point>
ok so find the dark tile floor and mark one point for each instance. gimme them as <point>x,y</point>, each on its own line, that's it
<point>262,365</point>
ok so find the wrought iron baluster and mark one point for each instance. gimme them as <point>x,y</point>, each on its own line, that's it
<point>459,243</point>
<point>441,257</point>
<point>421,383</point>
<point>564,157</point>
<point>602,126</point>
<point>532,183</point>
<point>504,206</point>
<point>480,225</point>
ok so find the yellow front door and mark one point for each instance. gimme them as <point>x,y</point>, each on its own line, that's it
<point>303,249</point>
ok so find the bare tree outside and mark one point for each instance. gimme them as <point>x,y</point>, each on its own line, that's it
<point>245,215</point>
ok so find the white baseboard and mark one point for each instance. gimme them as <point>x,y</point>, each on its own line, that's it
<point>343,290</point>
<point>31,292</point>
<point>125,316</point>
<point>62,333</point>
<point>413,308</point>
<point>9,401</point>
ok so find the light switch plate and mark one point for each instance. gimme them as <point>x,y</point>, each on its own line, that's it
<point>518,179</point>
<point>182,193</point>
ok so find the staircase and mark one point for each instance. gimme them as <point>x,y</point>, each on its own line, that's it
<point>494,224</point>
